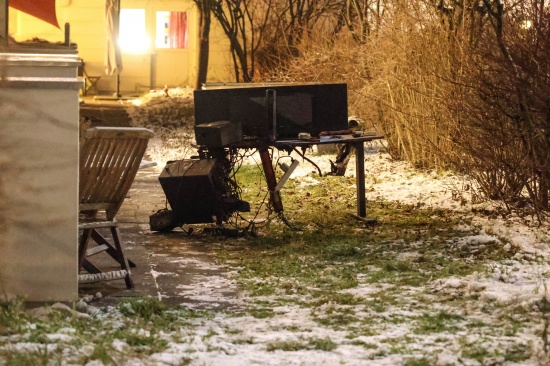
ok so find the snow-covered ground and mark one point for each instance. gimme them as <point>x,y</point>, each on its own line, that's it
<point>493,317</point>
<point>520,282</point>
<point>505,287</point>
<point>507,298</point>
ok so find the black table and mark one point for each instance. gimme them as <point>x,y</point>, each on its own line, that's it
<point>359,145</point>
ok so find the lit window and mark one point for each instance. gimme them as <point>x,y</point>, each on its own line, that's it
<point>132,34</point>
<point>171,31</point>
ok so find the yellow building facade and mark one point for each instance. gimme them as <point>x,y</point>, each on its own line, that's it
<point>150,58</point>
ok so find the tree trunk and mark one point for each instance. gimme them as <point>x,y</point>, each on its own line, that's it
<point>204,42</point>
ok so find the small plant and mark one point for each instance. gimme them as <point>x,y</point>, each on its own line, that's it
<point>102,353</point>
<point>12,316</point>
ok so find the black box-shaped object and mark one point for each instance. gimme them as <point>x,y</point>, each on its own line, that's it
<point>194,189</point>
<point>197,193</point>
<point>218,134</point>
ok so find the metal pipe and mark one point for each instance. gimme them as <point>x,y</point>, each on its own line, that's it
<point>360,178</point>
<point>287,175</point>
<point>271,104</point>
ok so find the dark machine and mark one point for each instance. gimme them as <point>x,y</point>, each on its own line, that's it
<point>232,117</point>
<point>199,190</point>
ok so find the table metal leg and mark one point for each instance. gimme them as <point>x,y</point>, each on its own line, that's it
<point>360,179</point>
<point>360,182</point>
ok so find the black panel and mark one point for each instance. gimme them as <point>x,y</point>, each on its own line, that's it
<point>300,108</point>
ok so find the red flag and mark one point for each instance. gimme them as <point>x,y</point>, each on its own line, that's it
<point>41,9</point>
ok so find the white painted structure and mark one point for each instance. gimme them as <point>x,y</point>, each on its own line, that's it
<point>39,138</point>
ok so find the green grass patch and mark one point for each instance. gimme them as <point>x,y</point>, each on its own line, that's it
<point>336,320</point>
<point>287,346</point>
<point>12,316</point>
<point>365,345</point>
<point>340,298</point>
<point>477,352</point>
<point>103,353</point>
<point>410,246</point>
<point>418,362</point>
<point>138,323</point>
<point>145,309</point>
<point>439,322</point>
<point>381,301</point>
<point>261,312</point>
<point>148,344</point>
<point>333,250</point>
<point>324,344</point>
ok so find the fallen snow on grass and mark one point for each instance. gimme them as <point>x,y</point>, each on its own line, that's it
<point>293,335</point>
<point>508,296</point>
<point>490,317</point>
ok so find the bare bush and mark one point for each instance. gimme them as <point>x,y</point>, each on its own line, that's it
<point>293,22</point>
<point>244,23</point>
<point>503,112</point>
<point>393,82</point>
<point>461,84</point>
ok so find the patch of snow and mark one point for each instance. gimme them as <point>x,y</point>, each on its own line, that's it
<point>59,337</point>
<point>155,274</point>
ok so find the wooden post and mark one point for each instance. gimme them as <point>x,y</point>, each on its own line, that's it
<point>67,34</point>
<point>4,33</point>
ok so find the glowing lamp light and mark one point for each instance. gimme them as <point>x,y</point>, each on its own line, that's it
<point>136,44</point>
<point>133,36</point>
